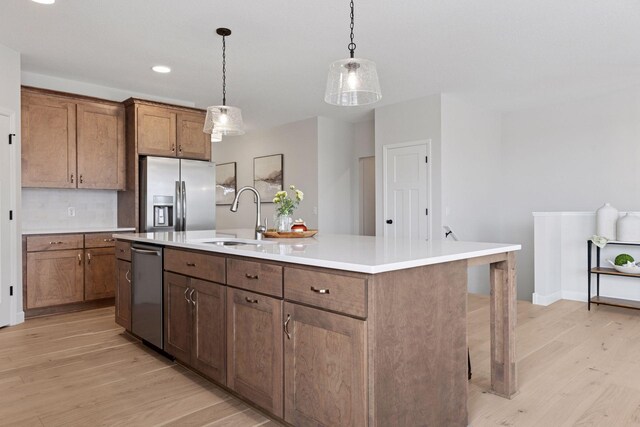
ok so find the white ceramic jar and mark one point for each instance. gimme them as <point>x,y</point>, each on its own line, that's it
<point>629,227</point>
<point>606,219</point>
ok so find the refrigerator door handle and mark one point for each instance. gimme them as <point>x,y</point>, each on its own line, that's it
<point>184,206</point>
<point>178,226</point>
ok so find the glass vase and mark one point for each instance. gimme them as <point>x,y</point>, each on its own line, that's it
<point>283,223</point>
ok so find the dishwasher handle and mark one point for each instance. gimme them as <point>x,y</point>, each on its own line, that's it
<point>146,251</point>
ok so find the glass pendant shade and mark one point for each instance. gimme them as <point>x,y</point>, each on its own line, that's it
<point>216,136</point>
<point>224,120</point>
<point>351,82</point>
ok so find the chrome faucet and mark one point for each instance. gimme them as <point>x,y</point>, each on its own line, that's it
<point>260,229</point>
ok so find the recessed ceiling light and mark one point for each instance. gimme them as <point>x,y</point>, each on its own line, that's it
<point>161,69</point>
<point>44,1</point>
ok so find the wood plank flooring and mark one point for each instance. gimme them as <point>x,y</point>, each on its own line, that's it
<point>575,368</point>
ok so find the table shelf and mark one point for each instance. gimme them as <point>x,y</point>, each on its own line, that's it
<point>605,271</point>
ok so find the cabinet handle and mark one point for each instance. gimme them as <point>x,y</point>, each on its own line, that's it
<point>79,259</point>
<point>56,243</point>
<point>320,291</point>
<point>185,295</point>
<point>251,276</point>
<point>180,148</point>
<point>111,240</point>
<point>191,264</point>
<point>88,257</point>
<point>173,148</point>
<point>286,326</point>
<point>81,181</point>
<point>249,300</point>
<point>127,276</point>
<point>72,178</point>
<point>191,297</point>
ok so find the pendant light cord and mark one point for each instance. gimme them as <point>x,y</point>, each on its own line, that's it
<point>224,71</point>
<point>352,45</point>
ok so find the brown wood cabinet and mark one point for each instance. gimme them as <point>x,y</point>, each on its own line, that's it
<point>195,324</point>
<point>156,131</point>
<point>68,272</point>
<point>193,143</point>
<point>99,273</point>
<point>325,365</point>
<point>54,278</point>
<point>48,141</point>
<point>71,141</point>
<point>101,150</point>
<point>254,348</point>
<point>123,294</point>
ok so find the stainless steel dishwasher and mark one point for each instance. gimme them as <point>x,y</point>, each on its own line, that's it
<point>147,320</point>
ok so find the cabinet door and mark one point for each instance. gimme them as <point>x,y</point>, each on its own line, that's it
<point>324,368</point>
<point>123,294</point>
<point>48,142</point>
<point>54,278</point>
<point>193,143</point>
<point>99,273</point>
<point>156,131</point>
<point>254,348</point>
<point>178,317</point>
<point>100,146</point>
<point>208,347</point>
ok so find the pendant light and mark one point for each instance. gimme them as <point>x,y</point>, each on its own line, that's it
<point>352,81</point>
<point>222,119</point>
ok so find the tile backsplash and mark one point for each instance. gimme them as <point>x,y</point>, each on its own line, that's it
<point>44,208</point>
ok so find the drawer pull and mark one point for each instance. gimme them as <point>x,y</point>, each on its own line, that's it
<point>121,251</point>
<point>286,326</point>
<point>56,243</point>
<point>320,291</point>
<point>249,300</point>
<point>251,276</point>
<point>108,240</point>
<point>191,264</point>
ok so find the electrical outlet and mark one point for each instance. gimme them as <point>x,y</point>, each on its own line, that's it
<point>71,211</point>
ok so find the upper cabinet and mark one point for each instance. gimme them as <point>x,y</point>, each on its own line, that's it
<point>170,131</point>
<point>71,142</point>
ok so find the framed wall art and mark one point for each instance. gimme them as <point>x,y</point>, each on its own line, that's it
<point>226,183</point>
<point>268,176</point>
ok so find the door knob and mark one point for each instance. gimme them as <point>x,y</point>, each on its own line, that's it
<point>389,221</point>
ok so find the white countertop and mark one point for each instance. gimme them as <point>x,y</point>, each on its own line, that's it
<point>364,254</point>
<point>77,230</point>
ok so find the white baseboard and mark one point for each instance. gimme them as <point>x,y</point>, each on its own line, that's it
<point>574,296</point>
<point>546,299</point>
<point>18,318</point>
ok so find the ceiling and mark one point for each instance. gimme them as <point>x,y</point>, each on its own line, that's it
<point>503,54</point>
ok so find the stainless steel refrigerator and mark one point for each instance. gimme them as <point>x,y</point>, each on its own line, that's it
<point>177,194</point>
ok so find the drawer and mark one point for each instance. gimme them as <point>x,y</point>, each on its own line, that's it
<point>195,264</point>
<point>344,294</point>
<point>99,240</point>
<point>255,276</point>
<point>123,250</point>
<point>54,242</point>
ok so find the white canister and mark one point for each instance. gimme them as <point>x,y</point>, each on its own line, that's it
<point>629,227</point>
<point>606,218</point>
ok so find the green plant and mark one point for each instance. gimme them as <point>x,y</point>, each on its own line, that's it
<point>285,203</point>
<point>622,259</point>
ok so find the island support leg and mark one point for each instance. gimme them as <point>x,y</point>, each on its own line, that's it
<point>503,327</point>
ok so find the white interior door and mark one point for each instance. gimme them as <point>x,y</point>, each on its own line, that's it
<point>5,229</point>
<point>406,190</point>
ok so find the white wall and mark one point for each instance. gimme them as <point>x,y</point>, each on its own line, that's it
<point>89,89</point>
<point>414,120</point>
<point>298,142</point>
<point>336,177</point>
<point>568,157</point>
<point>364,145</point>
<point>10,102</point>
<point>471,177</point>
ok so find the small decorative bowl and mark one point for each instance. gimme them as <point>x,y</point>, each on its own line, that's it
<point>630,268</point>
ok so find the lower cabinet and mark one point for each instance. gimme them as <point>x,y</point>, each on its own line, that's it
<point>195,324</point>
<point>123,293</point>
<point>54,278</point>
<point>99,280</point>
<point>254,348</point>
<point>325,365</point>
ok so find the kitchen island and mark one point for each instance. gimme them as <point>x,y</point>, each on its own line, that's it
<point>333,330</point>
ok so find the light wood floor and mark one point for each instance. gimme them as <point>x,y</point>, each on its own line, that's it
<point>575,368</point>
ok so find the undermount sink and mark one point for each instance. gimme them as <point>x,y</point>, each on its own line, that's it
<point>236,242</point>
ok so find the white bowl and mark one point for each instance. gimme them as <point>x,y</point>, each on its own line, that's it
<point>629,269</point>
